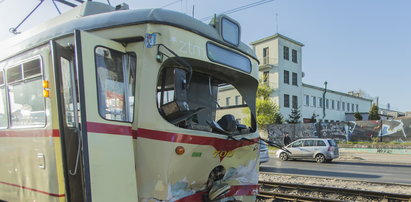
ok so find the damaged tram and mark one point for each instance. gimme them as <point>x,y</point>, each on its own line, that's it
<point>110,104</point>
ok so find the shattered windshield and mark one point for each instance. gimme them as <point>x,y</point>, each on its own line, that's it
<point>209,102</point>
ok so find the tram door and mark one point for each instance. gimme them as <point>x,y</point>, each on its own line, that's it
<point>106,84</point>
<point>67,88</point>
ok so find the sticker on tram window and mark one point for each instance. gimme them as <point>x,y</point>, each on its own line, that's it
<point>150,40</point>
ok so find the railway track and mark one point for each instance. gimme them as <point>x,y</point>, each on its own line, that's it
<point>278,191</point>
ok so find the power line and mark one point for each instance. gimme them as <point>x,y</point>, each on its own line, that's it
<point>257,3</point>
<point>14,30</point>
<point>58,10</point>
<point>171,3</point>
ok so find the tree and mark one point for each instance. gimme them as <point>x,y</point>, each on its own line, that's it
<point>357,116</point>
<point>295,116</point>
<point>267,111</point>
<point>373,114</point>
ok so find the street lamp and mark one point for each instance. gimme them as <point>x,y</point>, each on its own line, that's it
<point>325,91</point>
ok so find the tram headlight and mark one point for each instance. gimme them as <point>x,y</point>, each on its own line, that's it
<point>180,150</point>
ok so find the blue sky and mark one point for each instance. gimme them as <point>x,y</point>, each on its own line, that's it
<point>352,44</point>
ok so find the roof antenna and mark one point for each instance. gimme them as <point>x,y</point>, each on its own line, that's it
<point>193,11</point>
<point>14,30</point>
<point>276,22</point>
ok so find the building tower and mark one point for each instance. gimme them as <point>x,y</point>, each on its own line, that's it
<point>281,68</point>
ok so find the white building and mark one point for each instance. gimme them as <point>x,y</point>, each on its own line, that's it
<point>281,68</point>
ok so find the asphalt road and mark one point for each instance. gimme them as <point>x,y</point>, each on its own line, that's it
<point>366,171</point>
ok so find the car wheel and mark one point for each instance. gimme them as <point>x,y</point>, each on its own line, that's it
<point>283,156</point>
<point>320,158</point>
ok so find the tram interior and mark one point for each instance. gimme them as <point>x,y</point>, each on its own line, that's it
<point>193,101</point>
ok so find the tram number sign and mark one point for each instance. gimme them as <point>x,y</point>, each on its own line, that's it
<point>223,154</point>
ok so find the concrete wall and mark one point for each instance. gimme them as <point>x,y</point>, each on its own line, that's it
<point>366,131</point>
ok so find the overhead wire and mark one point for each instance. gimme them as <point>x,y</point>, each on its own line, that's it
<point>55,5</point>
<point>257,3</point>
<point>171,3</point>
<point>14,30</point>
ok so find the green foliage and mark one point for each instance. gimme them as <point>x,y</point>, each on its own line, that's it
<point>357,116</point>
<point>278,118</point>
<point>267,111</point>
<point>295,116</point>
<point>373,114</point>
<point>264,91</point>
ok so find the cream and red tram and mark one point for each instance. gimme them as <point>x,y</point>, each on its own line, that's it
<point>104,104</point>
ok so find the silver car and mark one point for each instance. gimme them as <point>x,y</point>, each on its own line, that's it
<point>320,149</point>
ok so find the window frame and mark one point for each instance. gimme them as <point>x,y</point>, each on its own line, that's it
<point>320,101</point>
<point>294,80</point>
<point>286,53</point>
<point>236,100</point>
<point>294,101</point>
<point>294,56</point>
<point>327,103</point>
<point>287,100</point>
<point>286,77</point>
<point>3,88</point>
<point>24,80</point>
<point>125,77</point>
<point>266,53</point>
<point>318,145</point>
<point>307,100</point>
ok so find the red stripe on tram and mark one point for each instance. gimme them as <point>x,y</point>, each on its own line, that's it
<point>31,189</point>
<point>30,133</point>
<point>217,143</point>
<point>94,127</point>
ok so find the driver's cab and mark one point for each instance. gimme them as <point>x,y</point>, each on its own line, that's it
<point>188,97</point>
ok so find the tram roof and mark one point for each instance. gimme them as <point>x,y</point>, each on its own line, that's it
<point>95,16</point>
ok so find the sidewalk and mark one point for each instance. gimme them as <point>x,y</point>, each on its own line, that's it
<point>374,157</point>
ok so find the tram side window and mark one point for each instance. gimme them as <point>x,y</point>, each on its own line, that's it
<point>3,115</point>
<point>25,90</point>
<point>115,83</point>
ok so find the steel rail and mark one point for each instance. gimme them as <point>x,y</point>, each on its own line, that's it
<point>364,193</point>
<point>290,197</point>
<point>336,178</point>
